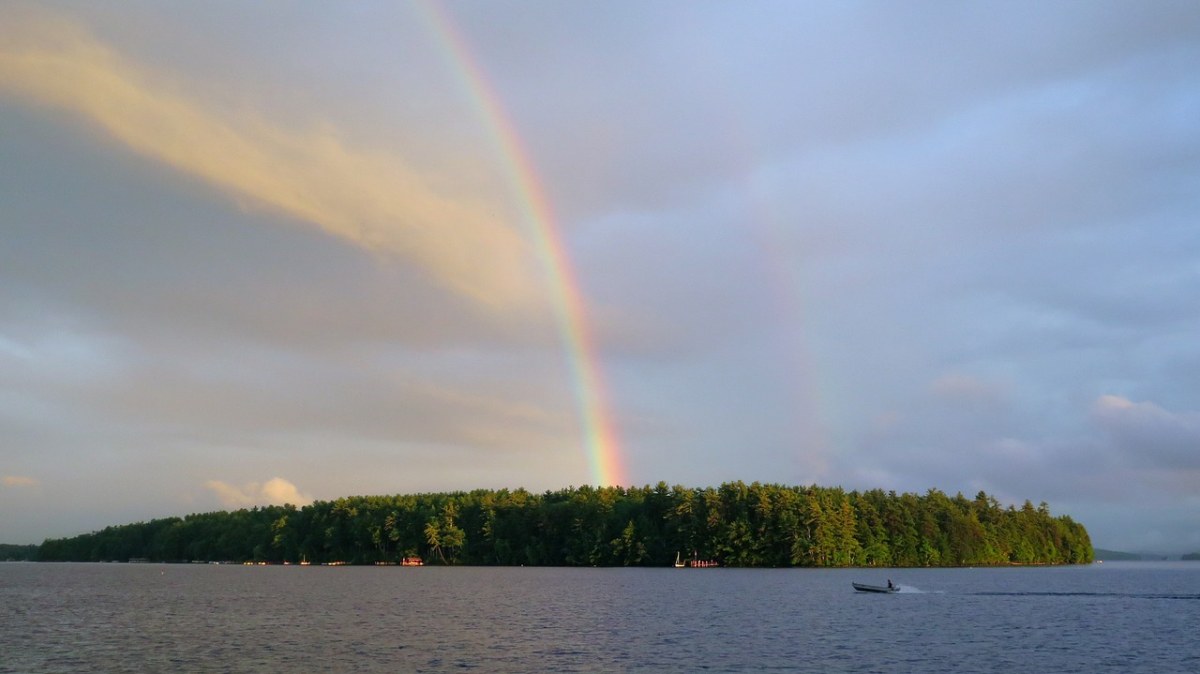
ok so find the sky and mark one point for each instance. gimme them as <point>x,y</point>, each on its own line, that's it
<point>276,252</point>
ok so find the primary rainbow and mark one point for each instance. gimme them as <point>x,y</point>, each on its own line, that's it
<point>604,457</point>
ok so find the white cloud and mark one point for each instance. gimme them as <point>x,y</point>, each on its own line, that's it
<point>276,491</point>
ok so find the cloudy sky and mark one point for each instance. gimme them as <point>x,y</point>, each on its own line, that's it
<point>275,252</point>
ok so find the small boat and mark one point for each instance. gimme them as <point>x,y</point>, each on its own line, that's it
<point>678,563</point>
<point>862,587</point>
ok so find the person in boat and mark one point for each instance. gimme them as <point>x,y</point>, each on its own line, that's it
<point>890,586</point>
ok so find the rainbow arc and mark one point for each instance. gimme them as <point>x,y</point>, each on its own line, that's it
<point>599,431</point>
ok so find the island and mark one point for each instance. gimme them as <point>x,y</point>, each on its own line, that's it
<point>736,524</point>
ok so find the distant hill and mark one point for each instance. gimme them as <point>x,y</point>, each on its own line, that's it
<point>1117,556</point>
<point>1192,557</point>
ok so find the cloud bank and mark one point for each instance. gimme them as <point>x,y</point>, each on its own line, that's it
<point>846,244</point>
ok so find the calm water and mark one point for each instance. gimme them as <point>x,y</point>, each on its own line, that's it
<point>1114,617</point>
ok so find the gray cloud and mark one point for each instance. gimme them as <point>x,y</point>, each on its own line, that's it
<point>1147,433</point>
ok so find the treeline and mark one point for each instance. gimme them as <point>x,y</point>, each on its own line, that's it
<point>736,524</point>
<point>18,553</point>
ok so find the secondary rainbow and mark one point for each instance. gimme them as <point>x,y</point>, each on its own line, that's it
<point>600,437</point>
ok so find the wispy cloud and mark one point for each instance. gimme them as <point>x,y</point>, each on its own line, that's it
<point>18,481</point>
<point>374,199</point>
<point>276,491</point>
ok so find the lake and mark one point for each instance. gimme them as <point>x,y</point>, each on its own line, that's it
<point>1112,617</point>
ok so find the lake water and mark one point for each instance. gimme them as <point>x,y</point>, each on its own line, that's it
<point>1113,617</point>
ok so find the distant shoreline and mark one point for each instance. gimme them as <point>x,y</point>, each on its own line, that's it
<point>200,562</point>
<point>1119,556</point>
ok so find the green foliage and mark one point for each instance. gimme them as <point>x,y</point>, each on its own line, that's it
<point>18,553</point>
<point>755,525</point>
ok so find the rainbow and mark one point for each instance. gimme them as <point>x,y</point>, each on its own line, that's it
<point>600,436</point>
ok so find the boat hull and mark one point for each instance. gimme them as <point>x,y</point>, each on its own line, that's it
<point>882,589</point>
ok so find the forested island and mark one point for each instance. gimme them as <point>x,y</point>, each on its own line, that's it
<point>736,524</point>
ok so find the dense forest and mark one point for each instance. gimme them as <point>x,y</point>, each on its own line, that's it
<point>736,524</point>
<point>18,553</point>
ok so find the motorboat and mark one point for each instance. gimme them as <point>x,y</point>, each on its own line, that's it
<point>863,587</point>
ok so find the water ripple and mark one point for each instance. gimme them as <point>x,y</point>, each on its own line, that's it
<point>135,618</point>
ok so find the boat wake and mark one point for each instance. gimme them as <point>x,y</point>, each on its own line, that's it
<point>1125,595</point>
<point>909,589</point>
